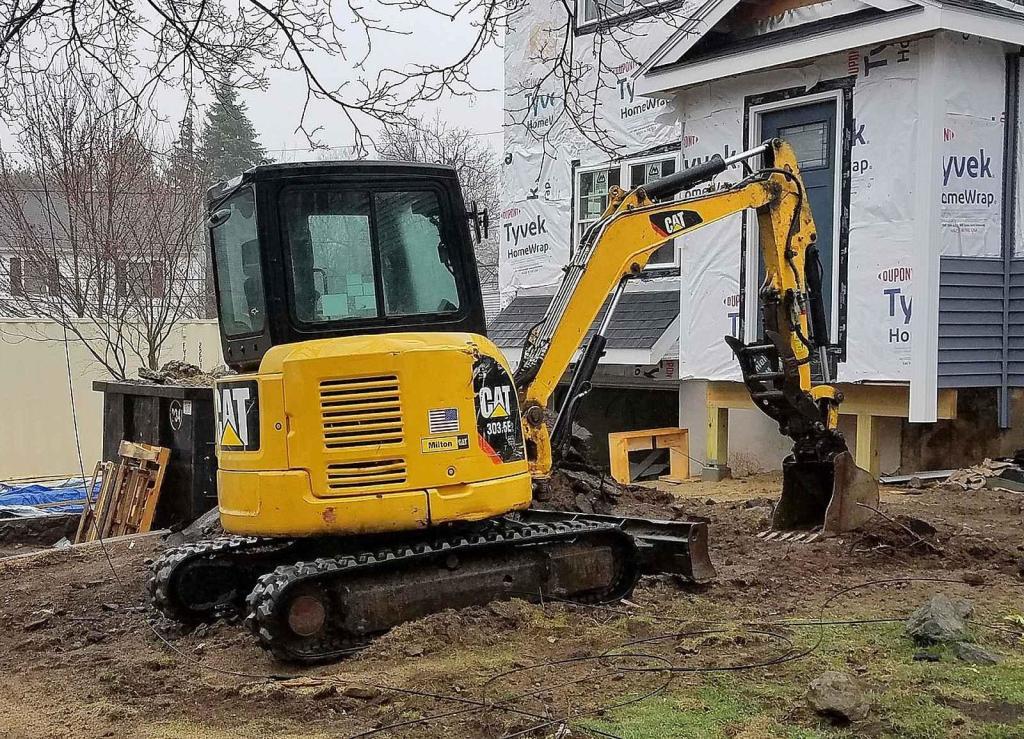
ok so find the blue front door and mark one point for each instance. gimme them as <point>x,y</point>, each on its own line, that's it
<point>811,130</point>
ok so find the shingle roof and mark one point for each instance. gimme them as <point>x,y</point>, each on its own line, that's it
<point>639,321</point>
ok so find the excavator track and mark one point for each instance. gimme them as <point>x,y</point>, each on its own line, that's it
<point>319,610</point>
<point>209,579</point>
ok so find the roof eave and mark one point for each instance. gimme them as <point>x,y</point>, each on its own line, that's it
<point>671,78</point>
<point>908,23</point>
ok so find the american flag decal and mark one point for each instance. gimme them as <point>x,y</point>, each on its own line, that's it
<point>443,420</point>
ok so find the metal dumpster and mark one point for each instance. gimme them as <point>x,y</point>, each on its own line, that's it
<point>178,417</point>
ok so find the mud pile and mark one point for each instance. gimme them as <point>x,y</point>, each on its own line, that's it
<point>590,491</point>
<point>181,373</point>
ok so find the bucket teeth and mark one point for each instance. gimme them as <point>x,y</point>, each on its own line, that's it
<point>791,537</point>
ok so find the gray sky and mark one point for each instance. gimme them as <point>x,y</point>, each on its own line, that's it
<point>428,39</point>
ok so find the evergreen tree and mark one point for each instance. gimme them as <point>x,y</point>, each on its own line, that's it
<point>228,144</point>
<point>184,163</point>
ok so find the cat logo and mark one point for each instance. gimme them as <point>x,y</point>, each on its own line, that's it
<point>674,221</point>
<point>238,416</point>
<point>495,401</point>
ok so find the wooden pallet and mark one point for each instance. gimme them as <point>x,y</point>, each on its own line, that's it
<point>128,493</point>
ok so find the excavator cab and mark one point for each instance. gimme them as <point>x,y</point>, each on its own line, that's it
<point>318,250</point>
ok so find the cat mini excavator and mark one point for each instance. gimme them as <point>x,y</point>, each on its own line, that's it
<point>376,453</point>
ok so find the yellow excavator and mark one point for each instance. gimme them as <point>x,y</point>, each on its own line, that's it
<point>376,451</point>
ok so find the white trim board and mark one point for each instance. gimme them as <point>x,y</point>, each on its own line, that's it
<point>924,321</point>
<point>928,20</point>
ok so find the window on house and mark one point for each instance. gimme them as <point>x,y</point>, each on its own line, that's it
<point>140,279</point>
<point>641,174</point>
<point>592,11</point>
<point>30,277</point>
<point>592,187</point>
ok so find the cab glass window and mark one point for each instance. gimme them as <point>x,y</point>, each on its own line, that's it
<point>239,275</point>
<point>415,264</point>
<point>358,255</point>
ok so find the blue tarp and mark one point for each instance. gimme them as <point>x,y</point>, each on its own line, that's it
<point>37,493</point>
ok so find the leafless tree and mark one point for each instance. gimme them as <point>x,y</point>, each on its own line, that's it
<point>433,140</point>
<point>574,70</point>
<point>96,233</point>
<point>344,51</point>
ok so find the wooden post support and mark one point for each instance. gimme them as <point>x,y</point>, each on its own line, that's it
<point>867,444</point>
<point>717,458</point>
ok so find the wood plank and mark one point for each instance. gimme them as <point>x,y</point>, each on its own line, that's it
<point>139,451</point>
<point>618,455</point>
<point>679,456</point>
<point>100,511</point>
<point>100,468</point>
<point>664,431</point>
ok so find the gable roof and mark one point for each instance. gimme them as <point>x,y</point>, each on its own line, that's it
<point>690,57</point>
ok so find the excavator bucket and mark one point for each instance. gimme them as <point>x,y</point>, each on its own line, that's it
<point>834,495</point>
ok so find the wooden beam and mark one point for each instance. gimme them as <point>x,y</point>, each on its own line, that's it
<point>718,436</point>
<point>867,456</point>
<point>889,401</point>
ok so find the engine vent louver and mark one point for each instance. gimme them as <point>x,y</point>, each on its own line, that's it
<point>361,412</point>
<point>377,474</point>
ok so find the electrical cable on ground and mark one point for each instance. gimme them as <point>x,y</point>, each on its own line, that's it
<point>472,705</point>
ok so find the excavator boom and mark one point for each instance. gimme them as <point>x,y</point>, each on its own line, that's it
<point>822,486</point>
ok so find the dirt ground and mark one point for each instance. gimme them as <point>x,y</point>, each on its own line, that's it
<point>81,656</point>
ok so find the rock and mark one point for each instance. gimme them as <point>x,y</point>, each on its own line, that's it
<point>362,692</point>
<point>941,619</point>
<point>838,696</point>
<point>975,655</point>
<point>710,501</point>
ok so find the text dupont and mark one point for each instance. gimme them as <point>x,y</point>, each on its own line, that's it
<point>514,232</point>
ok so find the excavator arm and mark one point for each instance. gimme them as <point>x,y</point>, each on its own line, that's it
<point>776,370</point>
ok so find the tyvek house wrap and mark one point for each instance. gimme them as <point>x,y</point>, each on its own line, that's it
<point>879,297</point>
<point>536,222</point>
<point>710,119</point>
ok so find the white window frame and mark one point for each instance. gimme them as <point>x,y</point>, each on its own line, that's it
<point>626,183</point>
<point>750,313</point>
<point>582,21</point>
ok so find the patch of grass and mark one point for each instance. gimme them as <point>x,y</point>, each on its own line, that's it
<point>708,713</point>
<point>916,715</point>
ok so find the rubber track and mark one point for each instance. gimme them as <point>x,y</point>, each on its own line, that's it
<point>165,568</point>
<point>267,599</point>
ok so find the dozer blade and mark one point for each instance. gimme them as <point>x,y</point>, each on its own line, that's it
<point>825,494</point>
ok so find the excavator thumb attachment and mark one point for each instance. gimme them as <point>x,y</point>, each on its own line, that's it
<point>834,494</point>
<point>821,484</point>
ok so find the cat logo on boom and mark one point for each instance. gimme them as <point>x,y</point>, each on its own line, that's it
<point>673,221</point>
<point>238,416</point>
